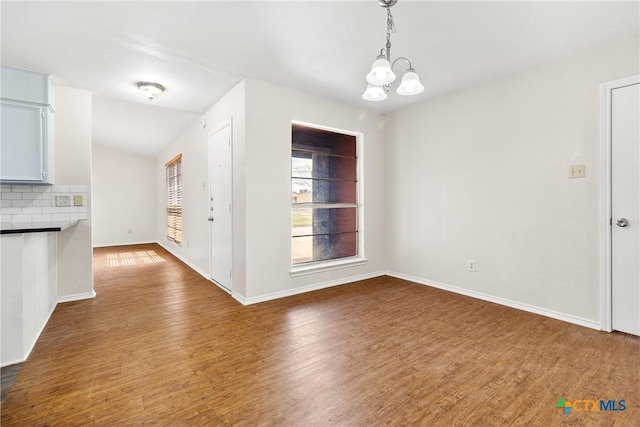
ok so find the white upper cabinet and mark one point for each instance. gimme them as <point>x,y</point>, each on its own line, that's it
<point>26,127</point>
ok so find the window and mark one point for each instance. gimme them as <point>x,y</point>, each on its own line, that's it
<point>174,199</point>
<point>324,195</point>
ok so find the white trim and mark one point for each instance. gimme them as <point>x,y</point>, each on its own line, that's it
<point>303,289</point>
<point>107,245</point>
<point>319,267</point>
<point>76,297</point>
<point>502,301</point>
<point>183,259</point>
<point>605,196</point>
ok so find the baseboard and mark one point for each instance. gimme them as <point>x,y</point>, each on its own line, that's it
<point>184,260</point>
<point>106,245</point>
<point>12,362</point>
<point>502,301</point>
<point>77,297</point>
<point>303,289</point>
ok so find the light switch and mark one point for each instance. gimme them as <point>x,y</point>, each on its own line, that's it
<point>77,200</point>
<point>576,171</point>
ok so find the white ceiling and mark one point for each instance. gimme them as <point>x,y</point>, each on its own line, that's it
<point>199,50</point>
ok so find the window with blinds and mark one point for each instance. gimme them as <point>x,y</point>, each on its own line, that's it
<point>324,195</point>
<point>174,198</point>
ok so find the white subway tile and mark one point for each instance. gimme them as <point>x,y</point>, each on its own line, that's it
<point>21,188</point>
<point>5,218</point>
<point>60,189</point>
<point>66,210</point>
<point>5,188</point>
<point>41,217</point>
<point>77,216</point>
<point>48,196</point>
<point>41,189</point>
<point>43,203</point>
<point>59,217</point>
<point>31,196</point>
<point>21,203</point>
<point>10,211</point>
<point>78,188</point>
<point>21,218</point>
<point>5,203</point>
<point>11,196</point>
<point>31,210</point>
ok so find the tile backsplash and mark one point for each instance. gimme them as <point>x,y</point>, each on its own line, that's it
<point>36,203</point>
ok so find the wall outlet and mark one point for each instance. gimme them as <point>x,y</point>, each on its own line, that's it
<point>576,171</point>
<point>63,201</point>
<point>77,200</point>
<point>471,264</point>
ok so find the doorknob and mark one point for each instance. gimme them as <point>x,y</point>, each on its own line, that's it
<point>622,222</point>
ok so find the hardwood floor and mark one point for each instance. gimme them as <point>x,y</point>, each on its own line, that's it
<point>160,345</point>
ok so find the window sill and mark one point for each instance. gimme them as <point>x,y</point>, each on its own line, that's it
<point>319,267</point>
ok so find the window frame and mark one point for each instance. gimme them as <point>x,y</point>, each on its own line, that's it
<point>343,262</point>
<point>174,211</point>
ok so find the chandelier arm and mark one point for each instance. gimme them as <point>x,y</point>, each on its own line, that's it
<point>398,59</point>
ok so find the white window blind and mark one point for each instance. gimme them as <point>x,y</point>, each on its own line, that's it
<point>174,198</point>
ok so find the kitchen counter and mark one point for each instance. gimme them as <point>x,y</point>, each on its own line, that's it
<point>35,227</point>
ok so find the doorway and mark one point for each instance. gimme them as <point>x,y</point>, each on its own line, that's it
<point>220,206</point>
<point>621,216</point>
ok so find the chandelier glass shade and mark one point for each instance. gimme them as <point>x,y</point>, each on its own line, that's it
<point>381,75</point>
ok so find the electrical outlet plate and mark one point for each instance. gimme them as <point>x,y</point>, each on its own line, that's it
<point>471,265</point>
<point>63,201</point>
<point>77,200</point>
<point>576,171</point>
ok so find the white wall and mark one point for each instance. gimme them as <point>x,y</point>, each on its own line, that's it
<point>262,187</point>
<point>483,174</point>
<point>73,167</point>
<point>124,197</point>
<point>270,110</point>
<point>193,144</point>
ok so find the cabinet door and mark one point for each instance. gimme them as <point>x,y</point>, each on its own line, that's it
<point>21,148</point>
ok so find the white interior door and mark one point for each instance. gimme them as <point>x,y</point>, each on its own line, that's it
<point>220,206</point>
<point>625,209</point>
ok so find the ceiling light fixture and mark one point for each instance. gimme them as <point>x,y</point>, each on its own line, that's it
<point>381,75</point>
<point>151,90</point>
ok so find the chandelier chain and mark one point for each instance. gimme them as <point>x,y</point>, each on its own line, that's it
<point>390,27</point>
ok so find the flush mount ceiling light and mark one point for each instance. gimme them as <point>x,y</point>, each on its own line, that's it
<point>381,75</point>
<point>151,90</point>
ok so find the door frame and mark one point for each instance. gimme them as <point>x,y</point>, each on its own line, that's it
<point>606,88</point>
<point>219,127</point>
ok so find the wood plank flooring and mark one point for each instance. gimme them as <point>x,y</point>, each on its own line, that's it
<point>160,345</point>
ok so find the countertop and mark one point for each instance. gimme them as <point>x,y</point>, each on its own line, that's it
<point>35,227</point>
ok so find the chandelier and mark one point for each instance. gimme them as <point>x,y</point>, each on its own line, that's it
<point>381,75</point>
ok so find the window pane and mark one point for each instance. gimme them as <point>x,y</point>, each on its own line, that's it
<point>312,221</point>
<point>322,166</point>
<point>324,170</point>
<point>326,247</point>
<point>323,191</point>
